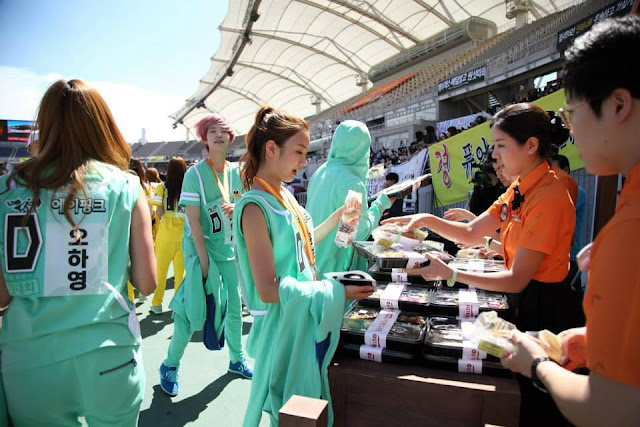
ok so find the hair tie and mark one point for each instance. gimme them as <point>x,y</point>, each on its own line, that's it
<point>267,115</point>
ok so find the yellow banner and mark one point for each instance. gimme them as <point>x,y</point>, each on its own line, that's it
<point>451,160</point>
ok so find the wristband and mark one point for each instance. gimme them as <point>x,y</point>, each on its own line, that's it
<point>487,242</point>
<point>534,375</point>
<point>454,276</point>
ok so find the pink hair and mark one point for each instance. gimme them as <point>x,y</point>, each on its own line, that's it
<point>214,119</point>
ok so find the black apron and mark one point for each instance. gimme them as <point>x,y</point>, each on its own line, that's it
<point>556,307</point>
<point>553,306</point>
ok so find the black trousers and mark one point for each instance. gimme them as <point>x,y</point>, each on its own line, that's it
<point>556,307</point>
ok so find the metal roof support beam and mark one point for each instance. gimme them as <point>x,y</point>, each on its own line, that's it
<point>535,5</point>
<point>236,56</point>
<point>259,102</point>
<point>353,21</point>
<point>433,10</point>
<point>389,25</point>
<point>273,73</point>
<point>293,43</point>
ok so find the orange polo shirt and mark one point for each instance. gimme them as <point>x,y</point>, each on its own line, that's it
<point>544,222</point>
<point>568,181</point>
<point>612,301</point>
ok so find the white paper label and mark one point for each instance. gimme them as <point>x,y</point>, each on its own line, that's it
<point>470,351</point>
<point>373,354</point>
<point>376,335</point>
<point>470,366</point>
<point>468,303</point>
<point>415,259</point>
<point>391,295</point>
<point>397,275</point>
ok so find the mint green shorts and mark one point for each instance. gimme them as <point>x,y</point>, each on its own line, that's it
<point>105,386</point>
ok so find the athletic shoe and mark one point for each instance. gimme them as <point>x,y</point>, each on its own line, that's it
<point>156,309</point>
<point>142,298</point>
<point>169,379</point>
<point>241,368</point>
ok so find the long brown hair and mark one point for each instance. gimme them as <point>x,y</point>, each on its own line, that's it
<point>270,124</point>
<point>75,126</point>
<point>136,167</point>
<point>175,175</point>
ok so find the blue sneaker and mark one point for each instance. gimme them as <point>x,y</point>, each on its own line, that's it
<point>241,368</point>
<point>169,379</point>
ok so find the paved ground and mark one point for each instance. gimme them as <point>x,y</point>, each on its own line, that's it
<point>209,395</point>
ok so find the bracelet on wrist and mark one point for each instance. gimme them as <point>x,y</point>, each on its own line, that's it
<point>487,242</point>
<point>451,281</point>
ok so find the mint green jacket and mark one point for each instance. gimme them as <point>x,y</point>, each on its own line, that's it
<point>295,339</point>
<point>291,361</point>
<point>189,301</point>
<point>346,169</point>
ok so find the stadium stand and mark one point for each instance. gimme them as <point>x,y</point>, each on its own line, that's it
<point>534,40</point>
<point>21,152</point>
<point>6,152</point>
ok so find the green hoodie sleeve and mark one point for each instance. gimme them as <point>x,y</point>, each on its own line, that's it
<point>370,219</point>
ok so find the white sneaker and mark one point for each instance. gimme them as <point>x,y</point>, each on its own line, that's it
<point>142,298</point>
<point>156,309</point>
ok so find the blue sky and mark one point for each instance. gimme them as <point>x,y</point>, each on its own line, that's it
<point>145,57</point>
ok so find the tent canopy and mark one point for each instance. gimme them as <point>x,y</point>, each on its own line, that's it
<point>294,54</point>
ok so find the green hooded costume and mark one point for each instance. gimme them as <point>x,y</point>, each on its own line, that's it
<point>346,169</point>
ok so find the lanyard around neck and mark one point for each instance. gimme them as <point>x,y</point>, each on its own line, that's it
<point>224,188</point>
<point>297,217</point>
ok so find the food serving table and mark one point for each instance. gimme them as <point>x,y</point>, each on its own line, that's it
<point>370,394</point>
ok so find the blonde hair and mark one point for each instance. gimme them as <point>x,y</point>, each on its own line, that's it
<point>75,126</point>
<point>152,175</point>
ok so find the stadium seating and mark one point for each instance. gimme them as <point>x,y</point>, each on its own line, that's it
<point>506,48</point>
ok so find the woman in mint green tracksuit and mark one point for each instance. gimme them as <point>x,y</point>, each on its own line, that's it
<point>346,169</point>
<point>74,220</point>
<point>210,190</point>
<point>297,337</point>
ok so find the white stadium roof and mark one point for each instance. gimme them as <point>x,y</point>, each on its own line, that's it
<point>290,52</point>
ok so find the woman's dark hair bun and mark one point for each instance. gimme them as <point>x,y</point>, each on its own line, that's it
<point>559,133</point>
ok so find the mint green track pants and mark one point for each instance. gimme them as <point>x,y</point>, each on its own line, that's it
<point>232,323</point>
<point>104,386</point>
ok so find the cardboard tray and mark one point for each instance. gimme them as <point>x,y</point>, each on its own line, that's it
<point>404,188</point>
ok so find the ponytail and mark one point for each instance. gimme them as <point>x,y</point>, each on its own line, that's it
<point>269,125</point>
<point>558,133</point>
